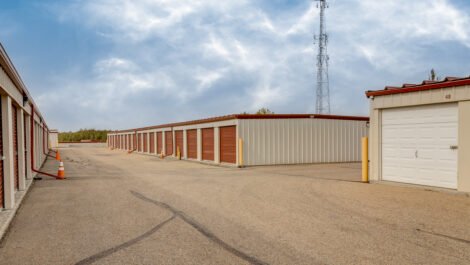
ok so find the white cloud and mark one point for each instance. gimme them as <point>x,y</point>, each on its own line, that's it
<point>433,19</point>
<point>207,79</point>
<point>181,51</point>
<point>306,21</point>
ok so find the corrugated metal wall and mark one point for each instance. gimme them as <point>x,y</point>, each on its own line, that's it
<point>15,146</point>
<point>1,162</point>
<point>298,141</point>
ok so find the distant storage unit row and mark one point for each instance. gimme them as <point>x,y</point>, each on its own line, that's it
<point>24,137</point>
<point>420,134</point>
<point>249,140</point>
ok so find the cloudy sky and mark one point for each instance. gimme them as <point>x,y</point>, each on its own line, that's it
<point>115,64</point>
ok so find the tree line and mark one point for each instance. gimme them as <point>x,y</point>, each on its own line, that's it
<point>84,135</point>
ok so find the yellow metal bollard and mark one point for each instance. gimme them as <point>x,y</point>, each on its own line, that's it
<point>365,160</point>
<point>178,153</point>
<point>240,152</point>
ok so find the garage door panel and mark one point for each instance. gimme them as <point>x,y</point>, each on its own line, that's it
<point>446,178</point>
<point>416,145</point>
<point>208,144</point>
<point>145,142</point>
<point>228,144</point>
<point>390,134</point>
<point>152,143</point>
<point>191,142</point>
<point>169,143</point>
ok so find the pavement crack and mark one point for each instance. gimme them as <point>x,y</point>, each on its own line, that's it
<point>201,229</point>
<point>110,251</point>
<point>444,236</point>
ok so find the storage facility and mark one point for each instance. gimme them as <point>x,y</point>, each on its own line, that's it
<point>54,138</point>
<point>420,133</point>
<point>24,141</point>
<point>249,140</point>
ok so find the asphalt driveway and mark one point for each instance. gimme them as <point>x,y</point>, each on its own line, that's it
<point>117,208</point>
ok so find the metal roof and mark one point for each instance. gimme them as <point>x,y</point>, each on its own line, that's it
<point>249,116</point>
<point>425,85</point>
<point>10,70</point>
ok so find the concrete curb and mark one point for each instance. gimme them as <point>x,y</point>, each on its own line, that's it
<point>6,216</point>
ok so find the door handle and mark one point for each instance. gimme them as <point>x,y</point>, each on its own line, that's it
<point>454,147</point>
<point>416,154</point>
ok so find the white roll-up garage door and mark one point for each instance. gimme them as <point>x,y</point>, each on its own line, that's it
<point>419,145</point>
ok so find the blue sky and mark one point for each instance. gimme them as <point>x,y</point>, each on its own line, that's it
<point>121,64</point>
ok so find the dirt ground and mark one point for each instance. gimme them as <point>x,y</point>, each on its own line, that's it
<point>116,208</point>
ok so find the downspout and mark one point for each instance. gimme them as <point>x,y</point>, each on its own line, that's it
<point>32,147</point>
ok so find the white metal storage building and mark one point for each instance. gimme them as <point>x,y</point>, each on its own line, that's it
<point>420,133</point>
<point>249,140</point>
<point>24,140</point>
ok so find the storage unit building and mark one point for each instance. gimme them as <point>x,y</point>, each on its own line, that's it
<point>53,138</point>
<point>264,139</point>
<point>24,134</point>
<point>420,134</point>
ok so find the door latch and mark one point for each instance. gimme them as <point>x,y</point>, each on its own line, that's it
<point>454,147</point>
<point>416,154</point>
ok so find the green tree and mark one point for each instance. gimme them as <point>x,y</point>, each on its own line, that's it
<point>433,76</point>
<point>84,135</point>
<point>264,111</point>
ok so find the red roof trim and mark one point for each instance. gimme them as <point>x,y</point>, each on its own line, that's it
<point>407,89</point>
<point>250,116</point>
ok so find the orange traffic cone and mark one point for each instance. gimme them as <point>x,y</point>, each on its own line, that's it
<point>61,173</point>
<point>57,156</point>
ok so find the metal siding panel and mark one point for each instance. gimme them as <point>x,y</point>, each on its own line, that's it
<point>255,142</point>
<point>290,141</point>
<point>247,141</point>
<point>15,147</point>
<point>2,193</point>
<point>267,139</point>
<point>260,135</point>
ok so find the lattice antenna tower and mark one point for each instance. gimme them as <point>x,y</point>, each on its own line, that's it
<point>323,84</point>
